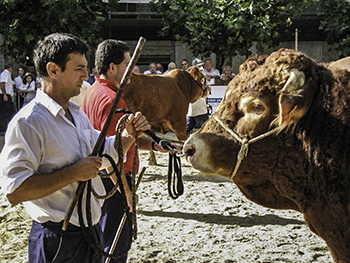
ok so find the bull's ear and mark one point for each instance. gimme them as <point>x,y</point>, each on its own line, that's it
<point>293,106</point>
<point>295,99</point>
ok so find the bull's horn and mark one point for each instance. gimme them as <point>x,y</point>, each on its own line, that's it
<point>296,80</point>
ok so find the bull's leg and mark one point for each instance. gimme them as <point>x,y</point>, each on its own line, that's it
<point>152,158</point>
<point>334,229</point>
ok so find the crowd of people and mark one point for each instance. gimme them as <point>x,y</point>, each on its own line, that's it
<point>211,74</point>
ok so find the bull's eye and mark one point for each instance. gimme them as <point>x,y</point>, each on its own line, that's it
<point>259,107</point>
<point>256,108</point>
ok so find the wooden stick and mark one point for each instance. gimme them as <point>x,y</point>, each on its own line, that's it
<point>122,222</point>
<point>103,133</point>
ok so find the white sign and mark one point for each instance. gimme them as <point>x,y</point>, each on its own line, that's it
<point>217,93</point>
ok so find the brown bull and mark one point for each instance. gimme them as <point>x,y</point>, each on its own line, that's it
<point>282,133</point>
<point>164,99</point>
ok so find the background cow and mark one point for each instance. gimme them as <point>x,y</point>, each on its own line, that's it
<point>304,163</point>
<point>164,99</point>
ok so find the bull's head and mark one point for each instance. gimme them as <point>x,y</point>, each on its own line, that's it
<point>199,79</point>
<point>273,94</point>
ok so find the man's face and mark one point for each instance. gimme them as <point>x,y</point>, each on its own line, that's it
<point>70,81</point>
<point>184,65</point>
<point>160,67</point>
<point>30,69</point>
<point>152,68</point>
<point>121,68</point>
<point>94,72</point>
<point>21,72</point>
<point>208,65</point>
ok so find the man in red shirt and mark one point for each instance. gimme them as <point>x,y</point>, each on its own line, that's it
<point>111,60</point>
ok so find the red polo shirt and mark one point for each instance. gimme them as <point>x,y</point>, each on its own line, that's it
<point>98,101</point>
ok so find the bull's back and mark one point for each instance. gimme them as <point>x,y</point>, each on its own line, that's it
<point>151,94</point>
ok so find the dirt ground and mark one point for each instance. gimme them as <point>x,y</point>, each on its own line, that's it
<point>211,222</point>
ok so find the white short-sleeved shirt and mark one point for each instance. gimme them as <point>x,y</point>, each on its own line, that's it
<point>39,140</point>
<point>6,77</point>
<point>212,72</point>
<point>197,108</point>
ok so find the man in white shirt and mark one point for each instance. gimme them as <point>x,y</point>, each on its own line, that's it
<point>46,154</point>
<point>197,112</point>
<point>210,73</point>
<point>19,78</point>
<point>7,107</point>
<point>152,69</point>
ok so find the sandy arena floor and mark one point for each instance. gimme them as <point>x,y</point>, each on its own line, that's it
<point>211,222</point>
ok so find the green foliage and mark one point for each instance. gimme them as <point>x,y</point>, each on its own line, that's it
<point>336,24</point>
<point>24,22</point>
<point>229,28</point>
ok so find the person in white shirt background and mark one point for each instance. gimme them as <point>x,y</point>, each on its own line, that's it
<point>7,107</point>
<point>197,113</point>
<point>228,74</point>
<point>27,88</point>
<point>210,73</point>
<point>152,69</point>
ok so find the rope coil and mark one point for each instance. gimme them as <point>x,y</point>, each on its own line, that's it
<point>90,234</point>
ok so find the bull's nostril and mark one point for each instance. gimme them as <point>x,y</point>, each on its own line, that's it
<point>189,150</point>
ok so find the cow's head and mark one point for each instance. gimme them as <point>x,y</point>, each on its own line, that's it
<point>268,93</point>
<point>199,81</point>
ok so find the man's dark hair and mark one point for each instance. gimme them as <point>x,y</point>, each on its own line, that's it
<point>8,65</point>
<point>56,48</point>
<point>184,60</point>
<point>109,51</point>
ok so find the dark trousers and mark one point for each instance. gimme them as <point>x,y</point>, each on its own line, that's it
<point>7,111</point>
<point>112,213</point>
<point>48,243</point>
<point>196,121</point>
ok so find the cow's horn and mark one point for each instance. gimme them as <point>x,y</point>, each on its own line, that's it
<point>296,80</point>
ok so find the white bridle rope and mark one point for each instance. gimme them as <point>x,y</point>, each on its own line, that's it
<point>243,152</point>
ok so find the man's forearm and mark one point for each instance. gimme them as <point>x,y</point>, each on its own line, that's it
<point>2,86</point>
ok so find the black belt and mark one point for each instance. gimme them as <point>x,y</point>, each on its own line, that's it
<point>60,224</point>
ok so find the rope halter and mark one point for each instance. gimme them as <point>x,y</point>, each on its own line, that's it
<point>243,152</point>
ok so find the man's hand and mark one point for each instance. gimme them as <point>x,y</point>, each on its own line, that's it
<point>5,97</point>
<point>86,168</point>
<point>138,123</point>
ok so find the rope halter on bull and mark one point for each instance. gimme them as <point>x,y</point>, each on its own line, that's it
<point>295,80</point>
<point>243,152</point>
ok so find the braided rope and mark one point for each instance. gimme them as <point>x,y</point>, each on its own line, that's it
<point>90,234</point>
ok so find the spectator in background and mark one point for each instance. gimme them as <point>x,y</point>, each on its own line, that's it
<point>171,66</point>
<point>92,76</point>
<point>31,69</point>
<point>18,82</point>
<point>7,107</point>
<point>160,67</point>
<point>210,73</point>
<point>197,112</point>
<point>184,64</point>
<point>136,69</point>
<point>19,78</point>
<point>28,88</point>
<point>152,69</point>
<point>228,74</point>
